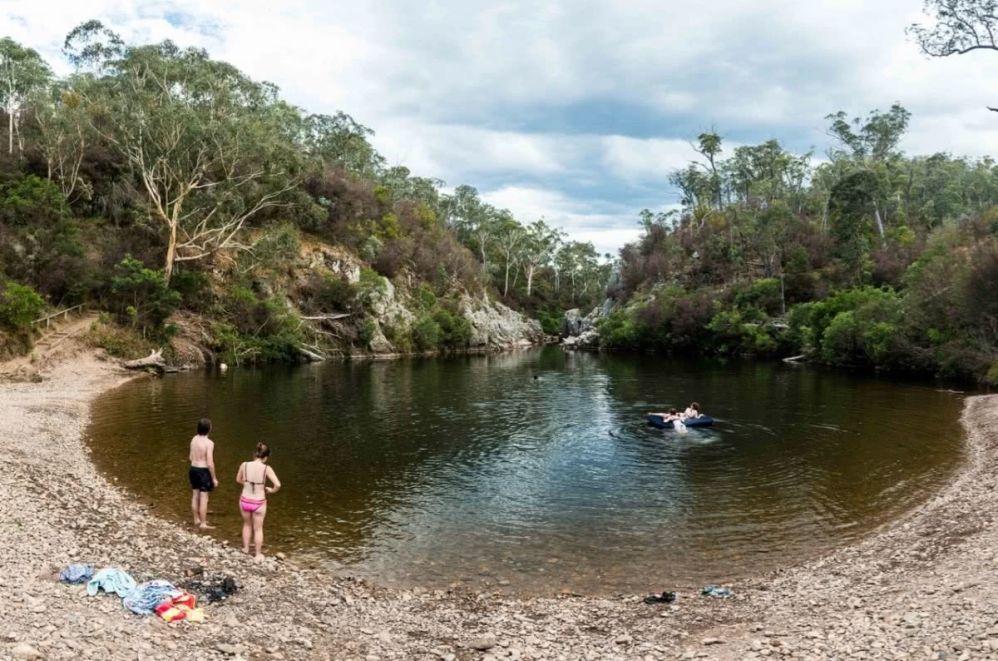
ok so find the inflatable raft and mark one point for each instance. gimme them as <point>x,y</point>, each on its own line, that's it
<point>659,421</point>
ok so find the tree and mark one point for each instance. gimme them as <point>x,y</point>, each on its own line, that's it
<point>509,236</point>
<point>473,220</point>
<point>961,27</point>
<point>709,146</point>
<point>340,140</point>
<point>208,144</point>
<point>22,71</point>
<point>539,246</point>
<point>876,137</point>
<point>92,46</point>
<point>64,132</point>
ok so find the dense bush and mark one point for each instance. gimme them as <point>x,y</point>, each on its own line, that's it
<point>254,328</point>
<point>140,296</point>
<point>19,306</point>
<point>39,241</point>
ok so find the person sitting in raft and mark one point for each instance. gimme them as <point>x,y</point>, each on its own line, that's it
<point>253,475</point>
<point>692,412</point>
<point>673,414</point>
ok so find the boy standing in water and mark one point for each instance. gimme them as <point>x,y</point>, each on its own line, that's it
<point>202,473</point>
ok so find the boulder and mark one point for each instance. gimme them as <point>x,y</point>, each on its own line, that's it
<point>495,326</point>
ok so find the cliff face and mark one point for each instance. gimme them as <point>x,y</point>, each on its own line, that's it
<point>580,332</point>
<point>495,326</point>
<point>344,308</point>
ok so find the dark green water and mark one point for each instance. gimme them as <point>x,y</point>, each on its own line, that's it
<point>469,470</point>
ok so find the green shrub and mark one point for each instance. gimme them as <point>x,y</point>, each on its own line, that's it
<point>32,201</point>
<point>331,293</point>
<point>126,343</point>
<point>425,298</point>
<point>140,296</point>
<point>763,294</point>
<point>618,330</point>
<point>19,306</point>
<point>366,331</point>
<point>455,329</point>
<point>991,378</point>
<point>193,289</point>
<point>426,333</point>
<point>400,338</point>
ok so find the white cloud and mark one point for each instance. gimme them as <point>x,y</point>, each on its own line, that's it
<point>608,228</point>
<point>636,159</point>
<point>594,98</point>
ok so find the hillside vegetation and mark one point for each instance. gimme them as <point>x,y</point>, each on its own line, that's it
<point>870,258</point>
<point>186,199</point>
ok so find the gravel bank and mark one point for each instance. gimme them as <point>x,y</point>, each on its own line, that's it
<point>920,588</point>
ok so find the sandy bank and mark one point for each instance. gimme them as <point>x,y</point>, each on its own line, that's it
<point>918,587</point>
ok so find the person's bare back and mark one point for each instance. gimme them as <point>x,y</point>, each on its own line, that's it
<point>202,448</point>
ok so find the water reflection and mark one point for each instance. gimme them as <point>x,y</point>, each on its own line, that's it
<point>471,469</point>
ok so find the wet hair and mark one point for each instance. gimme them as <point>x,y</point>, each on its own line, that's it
<point>695,406</point>
<point>673,411</point>
<point>204,426</point>
<point>262,451</point>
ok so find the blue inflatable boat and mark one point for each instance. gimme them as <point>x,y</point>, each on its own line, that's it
<point>659,421</point>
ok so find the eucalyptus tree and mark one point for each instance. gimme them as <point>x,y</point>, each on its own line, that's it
<point>509,237</point>
<point>961,27</point>
<point>93,47</point>
<point>64,137</point>
<point>207,144</point>
<point>579,261</point>
<point>539,246</point>
<point>709,146</point>
<point>474,221</point>
<point>22,73</point>
<point>871,144</point>
<point>340,140</point>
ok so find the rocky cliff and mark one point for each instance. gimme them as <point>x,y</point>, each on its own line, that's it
<point>580,332</point>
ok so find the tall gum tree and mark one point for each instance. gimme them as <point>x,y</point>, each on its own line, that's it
<point>22,72</point>
<point>208,145</point>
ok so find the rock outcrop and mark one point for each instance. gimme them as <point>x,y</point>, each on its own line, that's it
<point>495,326</point>
<point>580,332</point>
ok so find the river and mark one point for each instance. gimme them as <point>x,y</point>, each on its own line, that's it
<point>534,471</point>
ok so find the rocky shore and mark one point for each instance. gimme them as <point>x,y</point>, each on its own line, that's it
<point>921,587</point>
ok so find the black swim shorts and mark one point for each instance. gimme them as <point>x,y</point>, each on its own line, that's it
<point>200,479</point>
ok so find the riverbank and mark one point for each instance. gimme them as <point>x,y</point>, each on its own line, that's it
<point>917,587</point>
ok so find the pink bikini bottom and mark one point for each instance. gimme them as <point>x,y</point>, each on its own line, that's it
<point>251,504</point>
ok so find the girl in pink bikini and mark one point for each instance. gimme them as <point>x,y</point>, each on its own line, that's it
<point>253,475</point>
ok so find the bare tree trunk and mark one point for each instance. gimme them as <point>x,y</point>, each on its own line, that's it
<point>505,288</point>
<point>10,131</point>
<point>530,279</point>
<point>880,222</point>
<point>171,253</point>
<point>783,295</point>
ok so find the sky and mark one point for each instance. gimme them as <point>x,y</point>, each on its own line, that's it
<point>574,111</point>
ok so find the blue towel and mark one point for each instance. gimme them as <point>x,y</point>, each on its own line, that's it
<point>77,573</point>
<point>146,596</point>
<point>715,591</point>
<point>111,579</point>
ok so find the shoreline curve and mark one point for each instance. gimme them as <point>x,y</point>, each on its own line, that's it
<point>914,587</point>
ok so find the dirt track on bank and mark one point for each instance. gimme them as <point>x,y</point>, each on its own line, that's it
<point>920,587</point>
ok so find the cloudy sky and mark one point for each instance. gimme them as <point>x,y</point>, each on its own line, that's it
<point>571,110</point>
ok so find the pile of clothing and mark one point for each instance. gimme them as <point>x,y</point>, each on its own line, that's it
<point>152,597</point>
<point>213,588</point>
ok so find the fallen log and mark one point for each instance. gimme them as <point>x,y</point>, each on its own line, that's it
<point>795,359</point>
<point>153,361</point>
<point>310,355</point>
